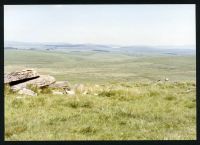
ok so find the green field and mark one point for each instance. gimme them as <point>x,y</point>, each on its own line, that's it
<point>84,67</point>
<point>124,101</point>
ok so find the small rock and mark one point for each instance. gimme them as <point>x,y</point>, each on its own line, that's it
<point>85,92</point>
<point>70,92</point>
<point>25,91</point>
<point>166,79</point>
<point>18,87</point>
<point>187,91</point>
<point>79,88</point>
<point>60,84</point>
<point>57,93</point>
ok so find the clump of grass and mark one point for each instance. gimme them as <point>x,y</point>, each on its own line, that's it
<point>16,103</point>
<point>126,85</point>
<point>8,90</point>
<point>170,97</point>
<point>17,129</point>
<point>154,93</point>
<point>37,102</point>
<point>46,90</point>
<point>8,133</point>
<point>87,104</point>
<point>53,121</point>
<point>108,93</point>
<point>78,104</point>
<point>190,105</point>
<point>182,84</point>
<point>74,104</point>
<point>88,130</point>
<point>103,117</point>
<point>20,129</point>
<point>123,113</point>
<point>121,94</point>
<point>123,122</point>
<point>115,94</point>
<point>34,88</point>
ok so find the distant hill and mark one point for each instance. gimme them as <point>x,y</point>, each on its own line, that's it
<point>68,47</point>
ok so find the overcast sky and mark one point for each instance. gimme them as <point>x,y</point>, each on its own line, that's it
<point>101,24</point>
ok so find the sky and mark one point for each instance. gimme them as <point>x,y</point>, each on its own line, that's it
<point>101,24</point>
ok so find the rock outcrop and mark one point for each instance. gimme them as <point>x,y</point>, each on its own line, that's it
<point>42,81</point>
<point>19,82</point>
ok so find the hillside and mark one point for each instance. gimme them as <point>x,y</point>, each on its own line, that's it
<point>125,99</point>
<point>120,111</point>
<point>102,66</point>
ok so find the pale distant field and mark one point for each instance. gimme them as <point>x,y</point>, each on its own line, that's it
<point>124,101</point>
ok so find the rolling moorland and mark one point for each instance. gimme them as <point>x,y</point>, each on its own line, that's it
<point>125,101</point>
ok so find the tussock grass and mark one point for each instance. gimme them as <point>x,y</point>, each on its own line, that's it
<point>7,90</point>
<point>46,90</point>
<point>141,111</point>
<point>34,88</point>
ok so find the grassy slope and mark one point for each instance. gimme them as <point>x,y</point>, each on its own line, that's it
<point>128,111</point>
<point>120,111</point>
<point>102,67</point>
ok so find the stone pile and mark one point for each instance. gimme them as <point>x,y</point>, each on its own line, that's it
<point>20,80</point>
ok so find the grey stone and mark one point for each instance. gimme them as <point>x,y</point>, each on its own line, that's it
<point>20,75</point>
<point>28,92</point>
<point>79,88</point>
<point>18,87</point>
<point>42,81</point>
<point>57,93</point>
<point>60,84</point>
<point>70,92</point>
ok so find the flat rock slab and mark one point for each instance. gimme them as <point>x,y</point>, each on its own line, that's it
<point>20,76</point>
<point>42,81</point>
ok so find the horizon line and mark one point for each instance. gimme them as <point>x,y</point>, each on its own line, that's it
<point>90,43</point>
